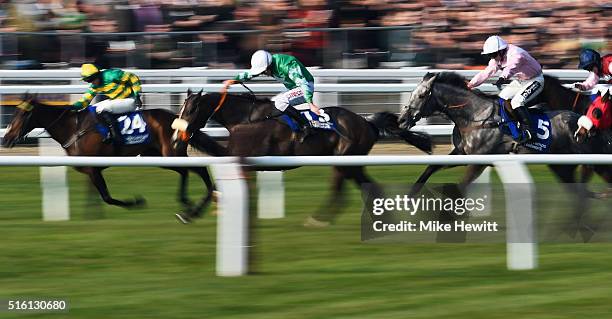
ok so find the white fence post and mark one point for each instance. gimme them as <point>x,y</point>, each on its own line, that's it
<point>233,220</point>
<point>520,221</point>
<point>55,196</point>
<point>270,194</point>
<point>481,188</point>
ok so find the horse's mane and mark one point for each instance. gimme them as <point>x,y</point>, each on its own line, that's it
<point>448,77</point>
<point>553,80</point>
<point>38,103</point>
<point>457,80</point>
<point>249,96</point>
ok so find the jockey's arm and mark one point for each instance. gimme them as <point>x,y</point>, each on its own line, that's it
<point>483,75</point>
<point>589,83</point>
<point>295,74</point>
<point>84,101</point>
<point>135,83</point>
<point>512,66</point>
<point>243,77</point>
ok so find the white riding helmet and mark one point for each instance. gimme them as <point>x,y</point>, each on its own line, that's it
<point>493,44</point>
<point>260,61</point>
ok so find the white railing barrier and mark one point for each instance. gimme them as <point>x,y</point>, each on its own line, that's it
<point>233,220</point>
<point>270,195</point>
<point>521,248</point>
<point>255,87</point>
<point>53,183</point>
<point>232,247</point>
<point>358,74</point>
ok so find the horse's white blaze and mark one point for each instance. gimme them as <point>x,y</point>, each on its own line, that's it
<point>180,125</point>
<point>585,122</point>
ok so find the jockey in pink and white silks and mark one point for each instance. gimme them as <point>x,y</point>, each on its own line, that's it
<point>518,65</point>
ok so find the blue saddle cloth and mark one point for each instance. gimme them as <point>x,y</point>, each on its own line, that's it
<point>542,129</point>
<point>132,126</point>
<point>322,121</point>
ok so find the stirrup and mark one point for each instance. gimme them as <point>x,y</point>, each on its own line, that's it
<point>526,136</point>
<point>108,139</point>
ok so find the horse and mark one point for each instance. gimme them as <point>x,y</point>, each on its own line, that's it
<point>76,132</point>
<point>554,96</point>
<point>253,132</point>
<point>477,129</point>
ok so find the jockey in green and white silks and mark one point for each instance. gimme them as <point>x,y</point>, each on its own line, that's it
<point>121,88</point>
<point>293,74</point>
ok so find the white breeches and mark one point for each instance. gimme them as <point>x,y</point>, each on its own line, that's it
<point>118,106</point>
<point>521,92</point>
<point>292,97</point>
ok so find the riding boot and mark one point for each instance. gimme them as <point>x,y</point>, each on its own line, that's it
<point>302,122</point>
<point>525,124</point>
<point>107,119</point>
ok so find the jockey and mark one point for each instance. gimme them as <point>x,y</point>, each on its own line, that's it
<point>599,114</point>
<point>516,63</point>
<point>597,66</point>
<point>292,73</point>
<point>121,88</point>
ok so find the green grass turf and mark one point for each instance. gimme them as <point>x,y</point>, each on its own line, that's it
<point>143,264</point>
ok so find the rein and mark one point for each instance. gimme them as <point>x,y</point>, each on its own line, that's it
<point>575,101</point>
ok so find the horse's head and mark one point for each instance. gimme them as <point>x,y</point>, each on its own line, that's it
<point>419,104</point>
<point>21,123</point>
<point>193,115</point>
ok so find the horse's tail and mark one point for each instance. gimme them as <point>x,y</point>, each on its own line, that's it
<point>387,122</point>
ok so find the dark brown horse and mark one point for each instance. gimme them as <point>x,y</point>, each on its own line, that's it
<point>252,133</point>
<point>75,131</point>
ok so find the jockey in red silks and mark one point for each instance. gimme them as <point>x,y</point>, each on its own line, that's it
<point>517,64</point>
<point>599,114</point>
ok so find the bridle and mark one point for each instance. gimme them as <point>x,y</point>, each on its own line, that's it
<point>482,123</point>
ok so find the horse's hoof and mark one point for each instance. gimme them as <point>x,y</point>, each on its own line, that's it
<point>215,212</point>
<point>215,196</point>
<point>183,218</point>
<point>139,201</point>
<point>312,222</point>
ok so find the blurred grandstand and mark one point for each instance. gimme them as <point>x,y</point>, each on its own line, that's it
<point>348,34</point>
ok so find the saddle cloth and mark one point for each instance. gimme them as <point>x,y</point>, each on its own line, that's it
<point>542,128</point>
<point>322,121</point>
<point>132,126</point>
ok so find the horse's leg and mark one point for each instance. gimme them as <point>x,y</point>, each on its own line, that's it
<point>183,185</point>
<point>586,173</point>
<point>95,175</point>
<point>471,174</point>
<point>566,174</point>
<point>430,170</point>
<point>329,212</point>
<point>196,211</point>
<point>605,172</point>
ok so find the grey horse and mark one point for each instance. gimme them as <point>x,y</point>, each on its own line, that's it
<point>477,131</point>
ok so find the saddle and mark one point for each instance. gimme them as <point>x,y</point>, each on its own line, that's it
<point>543,128</point>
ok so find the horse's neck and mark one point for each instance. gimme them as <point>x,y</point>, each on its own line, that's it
<point>558,97</point>
<point>60,129</point>
<point>239,110</point>
<point>465,108</point>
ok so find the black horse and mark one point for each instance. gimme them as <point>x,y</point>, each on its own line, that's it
<point>253,133</point>
<point>476,117</point>
<point>75,131</point>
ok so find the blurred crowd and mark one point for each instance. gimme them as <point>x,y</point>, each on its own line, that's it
<point>434,33</point>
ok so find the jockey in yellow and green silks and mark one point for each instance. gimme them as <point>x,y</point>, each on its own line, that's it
<point>122,90</point>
